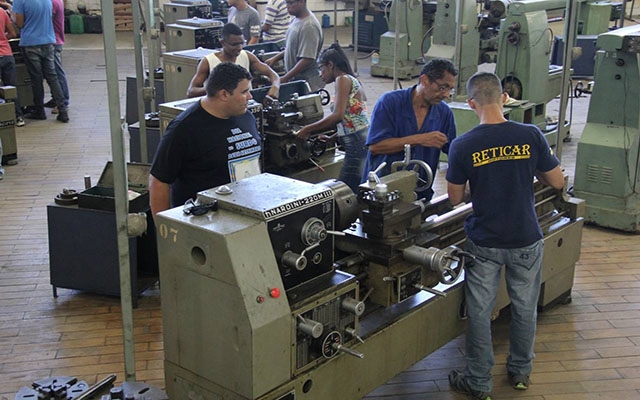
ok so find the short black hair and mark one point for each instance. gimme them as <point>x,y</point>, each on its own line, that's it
<point>436,68</point>
<point>485,88</point>
<point>225,76</point>
<point>230,29</point>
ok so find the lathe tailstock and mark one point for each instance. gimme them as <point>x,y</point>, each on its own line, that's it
<point>279,294</point>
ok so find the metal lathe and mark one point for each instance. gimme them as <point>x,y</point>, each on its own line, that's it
<point>286,290</point>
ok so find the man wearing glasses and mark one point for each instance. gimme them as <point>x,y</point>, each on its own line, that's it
<point>232,42</point>
<point>416,116</point>
<point>303,44</point>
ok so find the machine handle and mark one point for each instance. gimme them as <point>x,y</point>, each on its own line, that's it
<point>351,352</point>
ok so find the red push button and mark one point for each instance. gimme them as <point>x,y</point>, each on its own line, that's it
<point>274,292</point>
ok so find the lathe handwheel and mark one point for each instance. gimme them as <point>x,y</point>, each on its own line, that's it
<point>325,97</point>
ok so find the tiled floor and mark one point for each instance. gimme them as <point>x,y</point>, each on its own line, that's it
<point>589,349</point>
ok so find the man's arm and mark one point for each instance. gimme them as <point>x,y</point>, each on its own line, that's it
<point>302,65</point>
<point>254,28</point>
<point>270,62</point>
<point>264,69</point>
<point>553,177</point>
<point>196,86</point>
<point>456,193</point>
<point>159,195</point>
<point>394,145</point>
<point>11,31</point>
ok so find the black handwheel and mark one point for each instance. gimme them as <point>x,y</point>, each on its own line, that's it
<point>325,97</point>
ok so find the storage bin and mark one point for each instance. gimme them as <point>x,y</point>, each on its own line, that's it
<point>76,23</point>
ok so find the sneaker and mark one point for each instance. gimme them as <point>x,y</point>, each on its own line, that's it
<point>19,121</point>
<point>54,110</point>
<point>458,382</point>
<point>519,382</point>
<point>50,104</point>
<point>63,116</point>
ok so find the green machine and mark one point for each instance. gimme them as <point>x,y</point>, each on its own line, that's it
<point>405,26</point>
<point>456,38</point>
<point>607,173</point>
<point>287,290</point>
<point>593,17</point>
<point>524,47</point>
<point>516,36</point>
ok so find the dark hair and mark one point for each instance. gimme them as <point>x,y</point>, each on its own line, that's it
<point>485,88</point>
<point>335,55</point>
<point>230,29</point>
<point>225,76</point>
<point>436,68</point>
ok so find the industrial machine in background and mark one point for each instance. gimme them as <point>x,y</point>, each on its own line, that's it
<point>194,32</point>
<point>401,48</point>
<point>310,160</point>
<point>185,9</point>
<point>292,291</point>
<point>607,173</point>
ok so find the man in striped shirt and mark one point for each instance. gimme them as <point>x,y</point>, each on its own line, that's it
<point>276,21</point>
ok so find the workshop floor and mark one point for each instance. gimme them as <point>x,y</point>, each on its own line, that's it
<point>585,350</point>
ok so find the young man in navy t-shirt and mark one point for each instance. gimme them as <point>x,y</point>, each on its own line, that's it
<point>499,160</point>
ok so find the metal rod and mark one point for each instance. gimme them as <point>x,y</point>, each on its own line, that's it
<point>98,387</point>
<point>120,185</point>
<point>396,44</point>
<point>335,21</point>
<point>140,79</point>
<point>354,35</point>
<point>569,40</point>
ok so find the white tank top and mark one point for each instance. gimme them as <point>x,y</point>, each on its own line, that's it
<point>242,60</point>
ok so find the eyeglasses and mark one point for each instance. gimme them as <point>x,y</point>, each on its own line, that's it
<point>443,87</point>
<point>237,44</point>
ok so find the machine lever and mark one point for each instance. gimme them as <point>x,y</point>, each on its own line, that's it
<point>354,333</point>
<point>430,290</point>
<point>347,350</point>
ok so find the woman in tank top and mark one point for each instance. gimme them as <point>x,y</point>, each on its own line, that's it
<point>349,114</point>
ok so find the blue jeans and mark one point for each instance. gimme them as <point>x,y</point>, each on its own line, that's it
<point>355,154</point>
<point>8,76</point>
<point>522,273</point>
<point>40,64</point>
<point>62,76</point>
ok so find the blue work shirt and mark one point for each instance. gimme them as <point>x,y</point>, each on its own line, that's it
<point>393,117</point>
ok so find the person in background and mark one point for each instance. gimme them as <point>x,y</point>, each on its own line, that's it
<point>417,116</point>
<point>499,159</point>
<point>232,42</point>
<point>58,29</point>
<point>276,21</point>
<point>34,18</point>
<point>213,142</point>
<point>7,61</point>
<point>247,18</point>
<point>303,44</point>
<point>349,113</point>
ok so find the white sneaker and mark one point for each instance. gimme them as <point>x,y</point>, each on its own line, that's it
<point>19,121</point>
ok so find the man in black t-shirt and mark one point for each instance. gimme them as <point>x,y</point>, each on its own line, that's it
<point>213,142</point>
